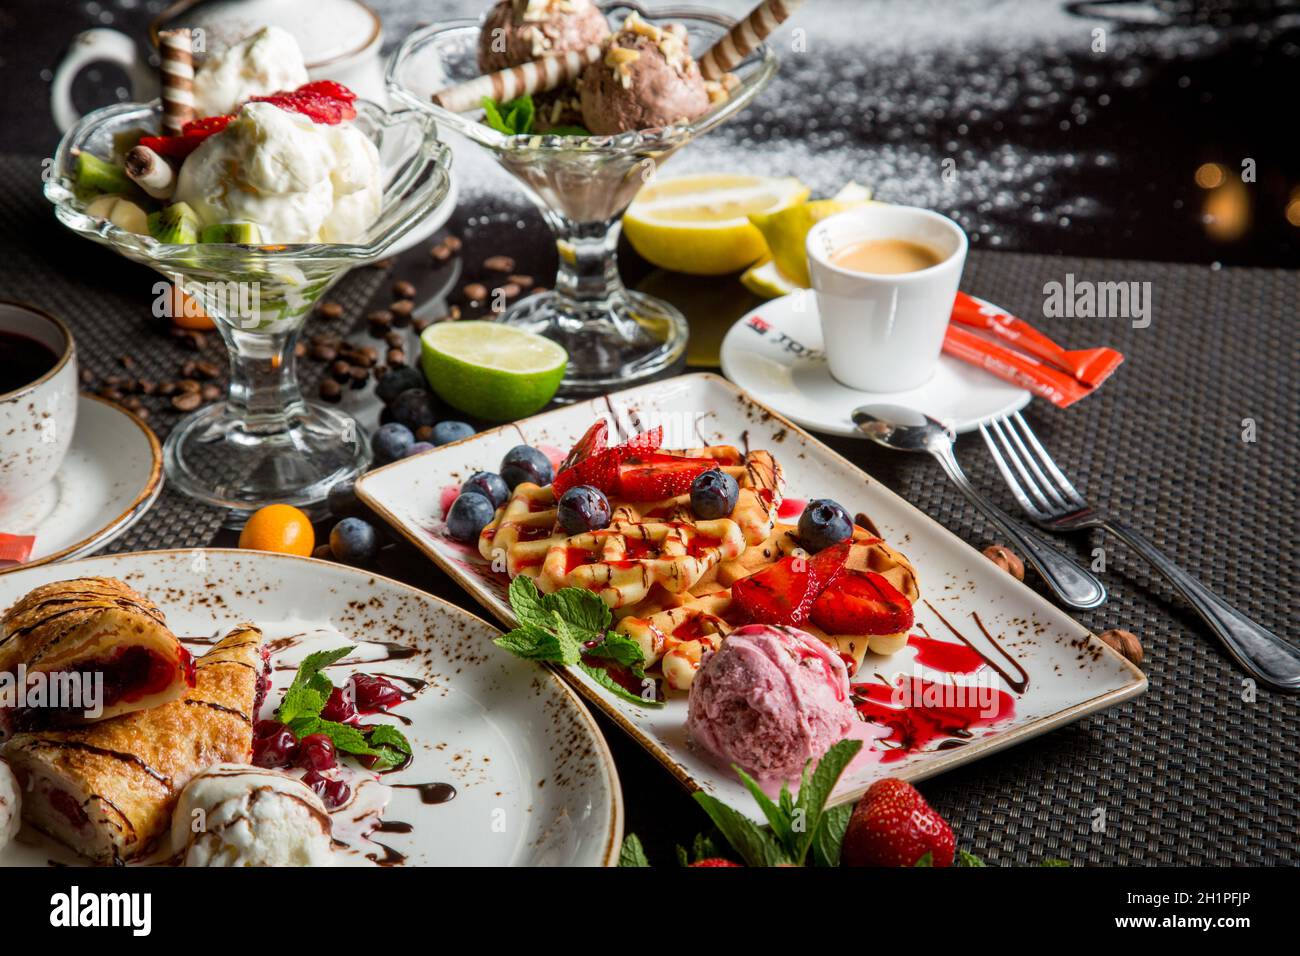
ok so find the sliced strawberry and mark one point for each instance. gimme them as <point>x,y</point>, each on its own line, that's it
<point>785,592</point>
<point>593,442</point>
<point>892,825</point>
<point>654,477</point>
<point>187,141</point>
<point>599,466</point>
<point>714,861</point>
<point>862,602</point>
<point>315,106</point>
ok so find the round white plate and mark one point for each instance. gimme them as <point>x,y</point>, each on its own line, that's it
<point>775,354</point>
<point>110,478</point>
<point>535,782</point>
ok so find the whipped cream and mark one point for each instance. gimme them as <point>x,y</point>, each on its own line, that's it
<point>11,805</point>
<point>237,815</point>
<point>299,181</point>
<point>266,62</point>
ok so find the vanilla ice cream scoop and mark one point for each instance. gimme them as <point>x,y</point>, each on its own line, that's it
<point>11,805</point>
<point>298,180</point>
<point>237,815</point>
<point>266,62</point>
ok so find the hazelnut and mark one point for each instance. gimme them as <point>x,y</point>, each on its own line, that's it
<point>1125,643</point>
<point>1007,560</point>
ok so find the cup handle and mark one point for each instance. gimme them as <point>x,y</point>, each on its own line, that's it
<point>94,46</point>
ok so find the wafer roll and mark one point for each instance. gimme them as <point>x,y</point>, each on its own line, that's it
<point>177,79</point>
<point>536,76</point>
<point>150,172</point>
<point>742,39</point>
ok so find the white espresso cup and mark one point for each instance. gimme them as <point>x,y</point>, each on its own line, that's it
<point>884,332</point>
<point>36,420</point>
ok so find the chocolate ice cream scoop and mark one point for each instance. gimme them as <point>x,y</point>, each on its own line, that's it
<point>517,31</point>
<point>647,79</point>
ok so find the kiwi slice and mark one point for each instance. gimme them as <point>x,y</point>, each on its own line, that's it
<point>241,233</point>
<point>100,175</point>
<point>176,224</point>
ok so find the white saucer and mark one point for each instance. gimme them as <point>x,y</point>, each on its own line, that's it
<point>432,223</point>
<point>775,354</point>
<point>110,478</point>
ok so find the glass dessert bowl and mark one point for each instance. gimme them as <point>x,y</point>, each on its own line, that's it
<point>582,184</point>
<point>264,443</point>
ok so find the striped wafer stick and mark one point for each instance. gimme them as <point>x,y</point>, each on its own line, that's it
<point>150,172</point>
<point>177,79</point>
<point>742,39</point>
<point>536,76</point>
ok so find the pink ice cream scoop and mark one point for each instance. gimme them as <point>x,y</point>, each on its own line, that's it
<point>770,699</point>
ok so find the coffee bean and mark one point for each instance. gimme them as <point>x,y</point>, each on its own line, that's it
<point>207,370</point>
<point>168,388</point>
<point>421,324</point>
<point>132,403</point>
<point>110,393</point>
<point>509,290</point>
<point>142,413</point>
<point>341,371</point>
<point>382,264</point>
<point>194,341</point>
<point>396,357</point>
<point>187,401</point>
<point>189,368</point>
<point>115,381</point>
<point>395,340</point>
<point>403,289</point>
<point>188,385</point>
<point>211,392</point>
<point>331,390</point>
<point>424,433</point>
<point>146,387</point>
<point>475,292</point>
<point>128,362</point>
<point>329,310</point>
<point>440,253</point>
<point>453,313</point>
<point>523,281</point>
<point>358,376</point>
<point>453,243</point>
<point>299,349</point>
<point>379,322</point>
<point>499,264</point>
<point>323,353</point>
<point>86,376</point>
<point>323,552</point>
<point>403,308</point>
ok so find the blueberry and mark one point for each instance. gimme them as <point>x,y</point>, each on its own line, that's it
<point>414,408</point>
<point>354,540</point>
<point>398,380</point>
<point>447,432</point>
<point>824,523</point>
<point>714,494</point>
<point>418,448</point>
<point>581,509</point>
<point>468,515</point>
<point>343,501</point>
<point>525,463</point>
<point>488,485</point>
<point>391,442</point>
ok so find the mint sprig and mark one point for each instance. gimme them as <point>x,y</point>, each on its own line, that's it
<point>571,627</point>
<point>514,117</point>
<point>305,698</point>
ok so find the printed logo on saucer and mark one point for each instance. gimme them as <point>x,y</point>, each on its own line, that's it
<point>787,344</point>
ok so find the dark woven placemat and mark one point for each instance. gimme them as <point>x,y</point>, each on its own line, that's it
<point>1198,770</point>
<point>108,301</point>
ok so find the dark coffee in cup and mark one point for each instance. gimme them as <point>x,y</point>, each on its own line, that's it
<point>22,360</point>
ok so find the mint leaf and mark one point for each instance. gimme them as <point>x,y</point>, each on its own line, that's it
<point>568,131</point>
<point>299,701</point>
<point>1052,861</point>
<point>313,664</point>
<point>534,644</point>
<point>521,114</point>
<point>755,845</point>
<point>512,118</point>
<point>621,649</point>
<point>606,680</point>
<point>493,116</point>
<point>829,837</point>
<point>526,602</point>
<point>632,852</point>
<point>780,821</point>
<point>705,847</point>
<point>967,859</point>
<point>580,608</point>
<point>390,746</point>
<point>927,859</point>
<point>815,789</point>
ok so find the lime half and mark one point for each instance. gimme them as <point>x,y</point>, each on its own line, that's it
<point>491,371</point>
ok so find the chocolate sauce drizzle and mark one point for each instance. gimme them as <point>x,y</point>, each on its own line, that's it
<point>430,793</point>
<point>1018,685</point>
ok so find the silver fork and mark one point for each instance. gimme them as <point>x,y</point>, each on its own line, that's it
<point>1046,495</point>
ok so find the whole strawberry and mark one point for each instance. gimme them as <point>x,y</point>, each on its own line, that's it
<point>892,825</point>
<point>714,861</point>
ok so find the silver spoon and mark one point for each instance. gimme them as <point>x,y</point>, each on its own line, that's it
<point>904,429</point>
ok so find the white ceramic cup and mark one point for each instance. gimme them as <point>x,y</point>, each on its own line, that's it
<point>36,420</point>
<point>884,332</point>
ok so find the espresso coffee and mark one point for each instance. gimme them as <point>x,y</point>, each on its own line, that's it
<point>22,361</point>
<point>886,256</point>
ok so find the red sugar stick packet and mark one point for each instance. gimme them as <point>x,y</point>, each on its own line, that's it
<point>16,548</point>
<point>1044,381</point>
<point>1089,366</point>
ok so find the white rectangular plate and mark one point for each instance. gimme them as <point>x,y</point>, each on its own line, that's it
<point>1070,672</point>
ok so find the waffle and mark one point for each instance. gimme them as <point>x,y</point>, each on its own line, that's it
<point>675,630</point>
<point>648,547</point>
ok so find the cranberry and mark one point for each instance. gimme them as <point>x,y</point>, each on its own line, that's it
<point>274,744</point>
<point>375,693</point>
<point>339,708</point>
<point>316,752</point>
<point>333,793</point>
